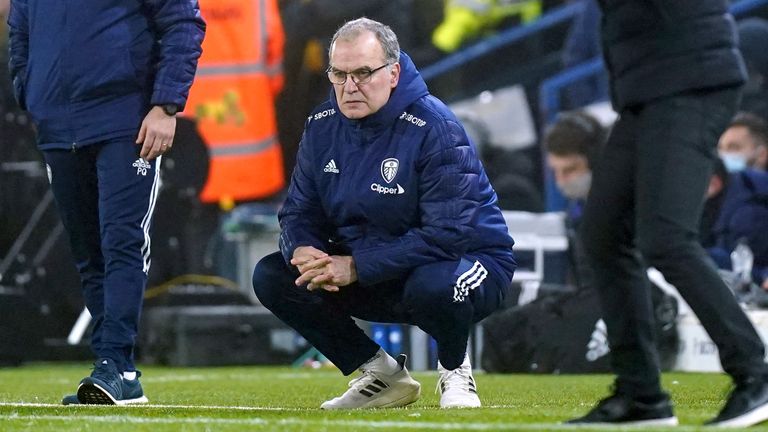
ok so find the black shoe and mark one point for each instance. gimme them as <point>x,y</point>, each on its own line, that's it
<point>747,405</point>
<point>626,410</point>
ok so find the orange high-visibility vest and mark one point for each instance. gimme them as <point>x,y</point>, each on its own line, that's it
<point>232,98</point>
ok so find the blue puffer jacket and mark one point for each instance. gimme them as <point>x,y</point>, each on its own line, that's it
<point>88,70</point>
<point>398,189</point>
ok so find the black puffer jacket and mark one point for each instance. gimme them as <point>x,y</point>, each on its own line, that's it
<point>656,48</point>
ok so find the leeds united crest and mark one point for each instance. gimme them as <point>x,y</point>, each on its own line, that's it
<point>389,169</point>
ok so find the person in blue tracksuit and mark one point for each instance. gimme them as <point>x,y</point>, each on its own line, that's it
<point>389,217</point>
<point>102,81</point>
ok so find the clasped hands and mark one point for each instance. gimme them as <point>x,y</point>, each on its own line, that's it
<point>322,271</point>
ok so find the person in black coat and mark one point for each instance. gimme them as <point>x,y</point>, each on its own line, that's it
<point>675,73</point>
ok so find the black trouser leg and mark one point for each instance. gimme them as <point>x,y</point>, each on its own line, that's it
<point>676,149</point>
<point>619,272</point>
<point>647,197</point>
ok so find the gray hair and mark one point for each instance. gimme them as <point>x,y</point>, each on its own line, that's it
<point>383,33</point>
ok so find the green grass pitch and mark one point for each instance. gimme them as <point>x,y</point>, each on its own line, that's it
<point>260,398</point>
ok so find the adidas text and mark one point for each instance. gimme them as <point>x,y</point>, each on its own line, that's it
<point>141,167</point>
<point>331,167</point>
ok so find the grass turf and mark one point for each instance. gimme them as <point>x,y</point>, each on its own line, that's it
<point>284,399</point>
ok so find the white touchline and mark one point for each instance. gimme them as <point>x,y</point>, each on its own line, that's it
<point>304,422</point>
<point>158,406</point>
<point>411,410</point>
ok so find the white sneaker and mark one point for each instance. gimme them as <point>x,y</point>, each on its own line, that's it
<point>375,390</point>
<point>457,387</point>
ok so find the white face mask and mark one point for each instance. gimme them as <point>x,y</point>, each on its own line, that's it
<point>578,188</point>
<point>734,162</point>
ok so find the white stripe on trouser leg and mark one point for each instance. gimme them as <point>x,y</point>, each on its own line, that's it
<point>469,280</point>
<point>146,223</point>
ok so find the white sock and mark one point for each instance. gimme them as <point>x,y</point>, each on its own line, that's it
<point>129,375</point>
<point>382,362</point>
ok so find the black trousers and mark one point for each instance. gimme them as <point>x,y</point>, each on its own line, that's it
<point>643,210</point>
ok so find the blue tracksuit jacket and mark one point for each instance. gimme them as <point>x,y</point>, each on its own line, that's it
<point>398,189</point>
<point>88,70</point>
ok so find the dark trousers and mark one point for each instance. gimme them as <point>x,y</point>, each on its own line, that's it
<point>644,209</point>
<point>428,297</point>
<point>105,196</point>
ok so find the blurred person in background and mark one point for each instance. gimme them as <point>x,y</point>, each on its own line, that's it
<point>736,213</point>
<point>231,110</point>
<point>233,100</point>
<point>103,81</point>
<point>571,145</point>
<point>465,20</point>
<point>389,218</point>
<point>676,74</point>
<point>744,144</point>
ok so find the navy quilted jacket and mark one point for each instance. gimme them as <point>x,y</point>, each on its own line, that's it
<point>657,48</point>
<point>398,189</point>
<point>88,70</point>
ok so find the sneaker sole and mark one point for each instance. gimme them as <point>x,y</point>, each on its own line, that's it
<point>401,401</point>
<point>461,405</point>
<point>136,401</point>
<point>757,415</point>
<point>94,394</point>
<point>669,421</point>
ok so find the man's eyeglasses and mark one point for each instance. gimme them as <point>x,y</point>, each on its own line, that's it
<point>359,76</point>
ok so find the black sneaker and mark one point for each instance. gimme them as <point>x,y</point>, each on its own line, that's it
<point>626,410</point>
<point>747,405</point>
<point>103,387</point>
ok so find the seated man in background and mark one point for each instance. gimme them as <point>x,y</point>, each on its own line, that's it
<point>390,218</point>
<point>745,143</point>
<point>571,144</point>
<point>562,330</point>
<point>736,212</point>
